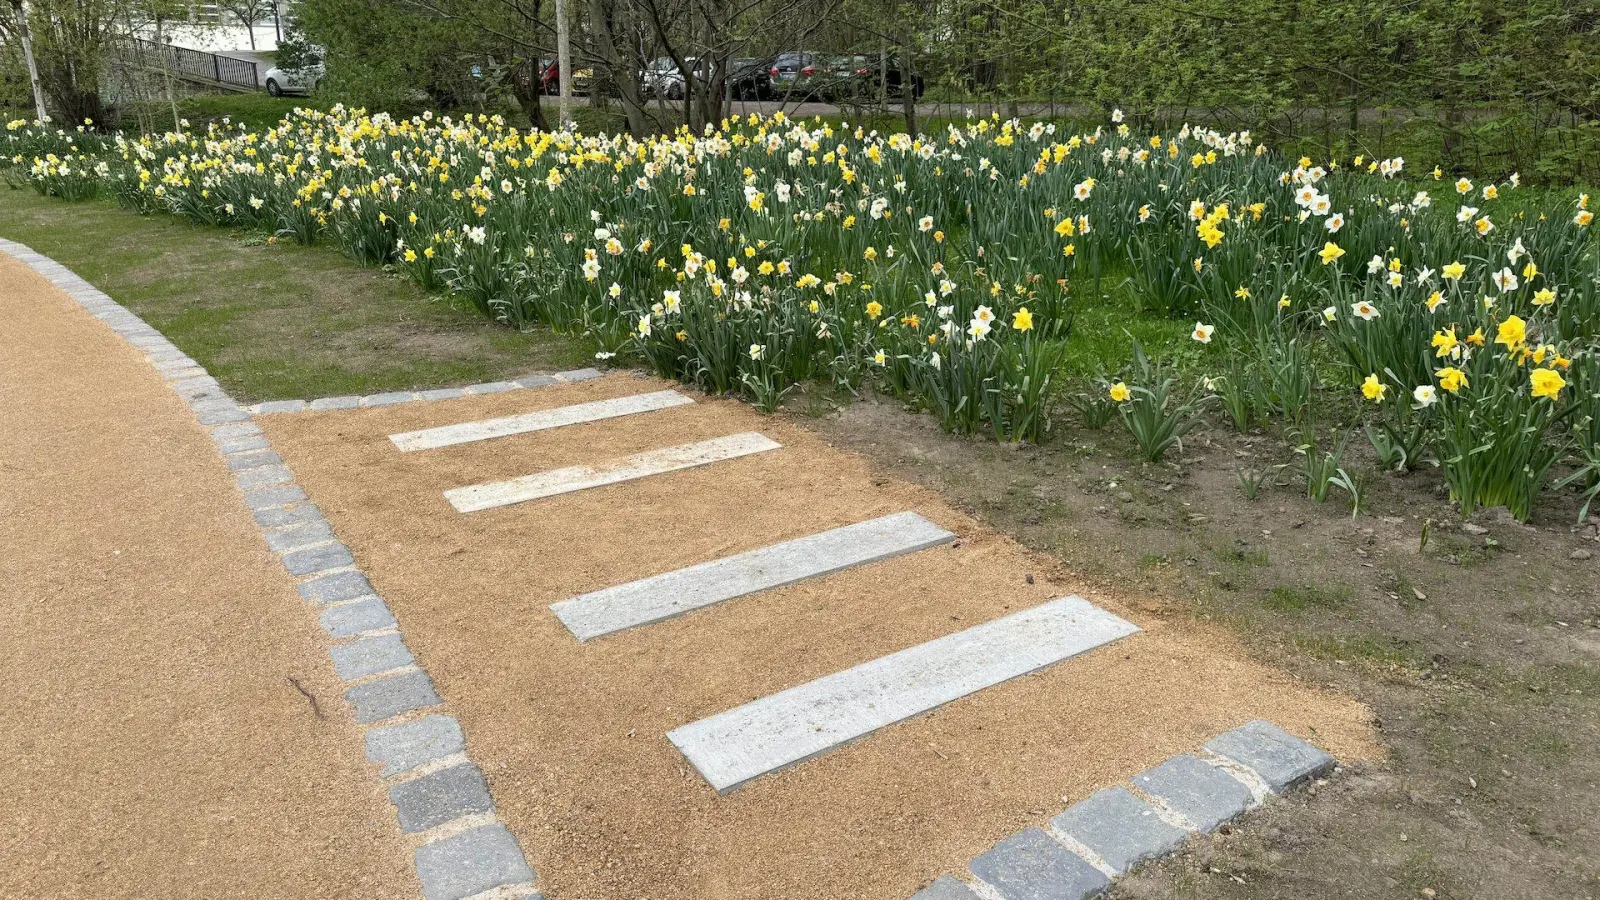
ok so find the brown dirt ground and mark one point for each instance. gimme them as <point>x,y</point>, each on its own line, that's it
<point>572,736</point>
<point>152,743</point>
<point>1479,655</point>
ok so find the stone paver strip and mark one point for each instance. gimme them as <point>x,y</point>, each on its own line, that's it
<point>440,797</point>
<point>674,593</point>
<point>403,747</point>
<point>470,863</point>
<point>1200,792</point>
<point>733,747</point>
<point>377,701</point>
<point>1034,866</point>
<point>370,656</point>
<point>576,478</point>
<point>1120,828</point>
<point>321,404</point>
<point>593,411</point>
<point>1281,759</point>
<point>452,867</point>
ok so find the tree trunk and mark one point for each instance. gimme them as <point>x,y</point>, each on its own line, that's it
<point>525,87</point>
<point>33,67</point>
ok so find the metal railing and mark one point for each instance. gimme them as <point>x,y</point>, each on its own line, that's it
<point>183,62</point>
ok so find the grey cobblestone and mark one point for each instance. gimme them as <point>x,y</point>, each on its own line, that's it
<point>443,394</point>
<point>240,445</point>
<point>336,587</point>
<point>281,406</point>
<point>317,559</point>
<point>1032,865</point>
<point>470,863</point>
<point>440,797</point>
<point>1280,758</point>
<point>387,399</point>
<point>492,387</point>
<point>220,416</point>
<point>235,430</point>
<point>354,618</point>
<point>386,698</point>
<point>303,535</point>
<point>946,888</point>
<point>1120,827</point>
<point>369,656</point>
<point>199,388</point>
<point>578,375</point>
<point>323,403</point>
<point>241,461</point>
<point>263,477</point>
<point>536,381</point>
<point>282,495</point>
<point>1197,790</point>
<point>401,748</point>
<point>294,515</point>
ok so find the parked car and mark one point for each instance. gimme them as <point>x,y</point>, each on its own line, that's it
<point>791,73</point>
<point>301,79</point>
<point>664,79</point>
<point>893,76</point>
<point>750,79</point>
<point>550,79</point>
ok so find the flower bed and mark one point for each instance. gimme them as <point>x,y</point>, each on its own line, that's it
<point>771,252</point>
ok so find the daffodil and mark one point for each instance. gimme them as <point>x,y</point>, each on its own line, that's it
<point>1546,383</point>
<point>1373,389</point>
<point>1513,333</point>
<point>1120,393</point>
<point>1451,379</point>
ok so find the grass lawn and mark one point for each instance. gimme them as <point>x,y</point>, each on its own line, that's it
<point>278,321</point>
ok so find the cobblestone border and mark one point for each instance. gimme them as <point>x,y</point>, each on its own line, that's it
<point>1081,850</point>
<point>441,799</point>
<point>392,398</point>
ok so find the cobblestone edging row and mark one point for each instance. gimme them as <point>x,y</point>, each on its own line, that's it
<point>1080,851</point>
<point>394,397</point>
<point>441,798</point>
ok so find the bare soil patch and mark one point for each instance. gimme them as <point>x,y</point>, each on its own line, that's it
<point>155,740</point>
<point>572,736</point>
<point>1478,654</point>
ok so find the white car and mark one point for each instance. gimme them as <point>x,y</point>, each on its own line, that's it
<point>302,80</point>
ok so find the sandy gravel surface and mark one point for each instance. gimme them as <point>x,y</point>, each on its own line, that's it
<point>572,736</point>
<point>152,741</point>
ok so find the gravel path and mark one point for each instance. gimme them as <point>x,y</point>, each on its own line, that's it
<point>172,725</point>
